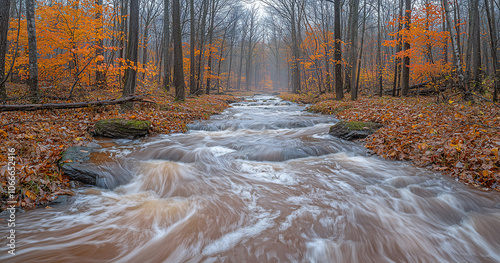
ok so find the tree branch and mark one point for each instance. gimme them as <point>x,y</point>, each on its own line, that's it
<point>33,107</point>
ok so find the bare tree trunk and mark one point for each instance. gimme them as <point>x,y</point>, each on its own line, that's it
<point>358,63</point>
<point>33,52</point>
<point>354,51</point>
<point>145,38</point>
<point>240,66</point>
<point>397,60</point>
<point>475,44</point>
<point>166,49</point>
<point>445,47</point>
<point>201,62</point>
<point>296,55</point>
<point>454,43</point>
<point>123,32</point>
<point>379,46</point>
<point>428,51</point>
<point>457,24</point>
<point>178,59</point>
<point>4,29</point>
<point>209,63</point>
<point>251,45</point>
<point>406,46</point>
<point>494,46</point>
<point>339,89</point>
<point>327,51</point>
<point>221,54</point>
<point>229,71</point>
<point>192,57</point>
<point>132,50</point>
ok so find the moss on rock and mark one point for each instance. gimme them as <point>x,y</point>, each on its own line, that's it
<point>354,130</point>
<point>361,126</point>
<point>121,128</point>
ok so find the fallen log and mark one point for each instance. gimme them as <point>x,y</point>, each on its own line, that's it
<point>416,86</point>
<point>33,107</point>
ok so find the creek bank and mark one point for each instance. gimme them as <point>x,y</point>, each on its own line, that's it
<point>455,138</point>
<point>40,137</point>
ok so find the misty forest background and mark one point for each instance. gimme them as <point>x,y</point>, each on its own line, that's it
<point>62,49</point>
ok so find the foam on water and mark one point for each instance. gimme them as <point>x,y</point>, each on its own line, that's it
<point>261,182</point>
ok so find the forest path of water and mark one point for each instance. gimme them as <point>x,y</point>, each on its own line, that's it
<point>262,182</point>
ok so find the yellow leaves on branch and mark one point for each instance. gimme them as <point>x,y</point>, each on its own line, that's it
<point>424,34</point>
<point>67,33</point>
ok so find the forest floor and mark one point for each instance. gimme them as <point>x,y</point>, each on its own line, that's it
<point>454,137</point>
<point>39,137</point>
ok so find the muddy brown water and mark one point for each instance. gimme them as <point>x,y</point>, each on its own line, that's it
<point>262,182</point>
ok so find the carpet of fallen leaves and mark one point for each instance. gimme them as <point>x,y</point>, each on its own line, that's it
<point>39,138</point>
<point>307,98</point>
<point>458,138</point>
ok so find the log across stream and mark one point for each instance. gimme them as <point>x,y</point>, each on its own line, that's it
<point>261,182</point>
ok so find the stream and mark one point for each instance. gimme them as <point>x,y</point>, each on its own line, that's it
<point>261,182</point>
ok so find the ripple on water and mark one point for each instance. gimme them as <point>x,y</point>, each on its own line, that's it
<point>261,182</point>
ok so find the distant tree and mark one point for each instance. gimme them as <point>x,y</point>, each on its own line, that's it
<point>379,47</point>
<point>192,43</point>
<point>291,11</point>
<point>166,47</point>
<point>33,52</point>
<point>339,88</point>
<point>490,13</point>
<point>351,70</point>
<point>150,11</point>
<point>132,50</point>
<point>252,42</point>
<point>100,76</point>
<point>4,29</point>
<point>475,42</point>
<point>406,46</point>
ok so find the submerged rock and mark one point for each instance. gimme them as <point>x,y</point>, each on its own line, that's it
<point>354,130</point>
<point>78,163</point>
<point>121,128</point>
<point>74,164</point>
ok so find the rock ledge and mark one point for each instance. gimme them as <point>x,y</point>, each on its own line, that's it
<point>354,130</point>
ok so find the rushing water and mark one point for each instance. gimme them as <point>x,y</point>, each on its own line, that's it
<point>262,182</point>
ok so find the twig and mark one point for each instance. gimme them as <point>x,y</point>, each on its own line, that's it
<point>483,98</point>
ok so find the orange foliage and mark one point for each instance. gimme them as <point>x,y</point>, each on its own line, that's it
<point>425,36</point>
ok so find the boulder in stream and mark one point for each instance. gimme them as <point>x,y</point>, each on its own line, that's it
<point>82,164</point>
<point>74,164</point>
<point>121,128</point>
<point>354,130</point>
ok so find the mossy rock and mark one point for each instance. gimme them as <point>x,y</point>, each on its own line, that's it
<point>354,130</point>
<point>121,128</point>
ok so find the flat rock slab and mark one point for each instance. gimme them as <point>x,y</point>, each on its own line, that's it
<point>78,163</point>
<point>354,130</point>
<point>121,128</point>
<point>74,164</point>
